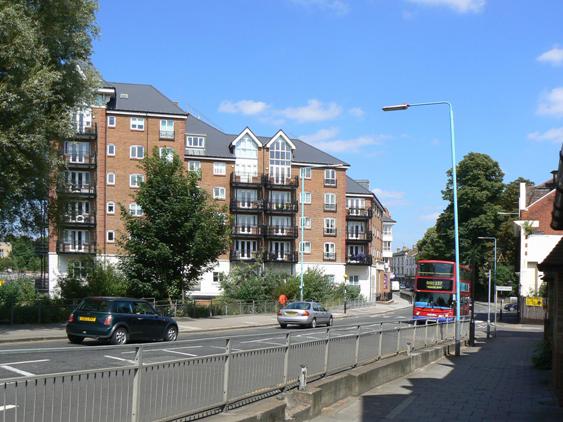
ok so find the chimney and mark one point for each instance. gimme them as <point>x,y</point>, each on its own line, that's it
<point>554,178</point>
<point>363,182</point>
<point>522,197</point>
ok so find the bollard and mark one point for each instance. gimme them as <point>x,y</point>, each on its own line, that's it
<point>303,378</point>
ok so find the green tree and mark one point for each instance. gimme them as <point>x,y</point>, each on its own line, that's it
<point>42,44</point>
<point>23,256</point>
<point>179,237</point>
<point>17,292</point>
<point>101,279</point>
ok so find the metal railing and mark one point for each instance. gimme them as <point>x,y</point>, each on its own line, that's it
<point>148,389</point>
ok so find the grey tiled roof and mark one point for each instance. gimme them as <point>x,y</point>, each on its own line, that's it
<point>387,219</point>
<point>217,144</point>
<point>141,98</point>
<point>353,187</point>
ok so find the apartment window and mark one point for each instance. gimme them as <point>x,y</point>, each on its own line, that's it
<point>330,278</point>
<point>195,141</point>
<point>137,123</point>
<point>329,251</point>
<point>110,236</point>
<point>77,152</point>
<point>306,197</point>
<point>218,193</point>
<point>306,172</point>
<point>111,150</point>
<point>307,222</point>
<point>306,246</point>
<point>330,177</point>
<point>354,279</point>
<point>387,246</point>
<point>137,152</point>
<point>330,226</point>
<point>194,166</point>
<point>111,121</point>
<point>166,129</point>
<point>217,277</point>
<point>219,169</point>
<point>135,180</point>
<point>280,161</point>
<point>110,208</point>
<point>387,230</point>
<point>166,153</point>
<point>135,210</point>
<point>110,178</point>
<point>330,202</point>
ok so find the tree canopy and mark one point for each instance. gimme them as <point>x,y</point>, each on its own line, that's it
<point>180,235</point>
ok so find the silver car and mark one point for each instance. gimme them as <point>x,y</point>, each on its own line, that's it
<point>310,314</point>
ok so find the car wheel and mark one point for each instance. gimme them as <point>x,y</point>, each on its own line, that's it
<point>314,323</point>
<point>171,334</point>
<point>75,339</point>
<point>119,336</point>
<point>330,322</point>
<point>283,325</point>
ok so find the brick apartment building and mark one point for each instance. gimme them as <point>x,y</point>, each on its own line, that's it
<point>347,229</point>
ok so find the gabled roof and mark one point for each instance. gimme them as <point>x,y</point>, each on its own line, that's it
<point>387,219</point>
<point>533,193</point>
<point>141,98</point>
<point>354,188</point>
<point>553,261</point>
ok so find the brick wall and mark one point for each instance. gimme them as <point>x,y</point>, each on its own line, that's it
<point>541,211</point>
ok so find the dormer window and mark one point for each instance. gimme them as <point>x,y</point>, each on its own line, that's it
<point>280,161</point>
<point>193,141</point>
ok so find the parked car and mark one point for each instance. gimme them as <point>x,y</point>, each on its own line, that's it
<point>118,320</point>
<point>511,307</point>
<point>308,313</point>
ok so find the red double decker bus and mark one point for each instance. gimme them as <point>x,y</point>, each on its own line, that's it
<point>434,290</point>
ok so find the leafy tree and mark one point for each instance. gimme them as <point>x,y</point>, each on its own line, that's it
<point>179,237</point>
<point>23,256</point>
<point>17,292</point>
<point>101,279</point>
<point>42,44</point>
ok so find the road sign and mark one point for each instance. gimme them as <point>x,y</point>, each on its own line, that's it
<point>534,301</point>
<point>504,288</point>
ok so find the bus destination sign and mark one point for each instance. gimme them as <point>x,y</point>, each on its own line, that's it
<point>433,284</point>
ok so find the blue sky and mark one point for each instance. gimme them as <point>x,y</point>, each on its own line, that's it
<point>322,69</point>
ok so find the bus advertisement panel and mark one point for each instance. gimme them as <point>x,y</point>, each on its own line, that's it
<point>434,290</point>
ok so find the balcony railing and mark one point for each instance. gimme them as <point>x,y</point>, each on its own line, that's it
<point>76,248</point>
<point>281,207</point>
<point>330,182</point>
<point>359,259</point>
<point>70,188</point>
<point>79,220</point>
<point>330,231</point>
<point>85,132</point>
<point>359,236</point>
<point>288,257</point>
<point>247,231</point>
<point>246,206</point>
<point>280,182</point>
<point>281,232</point>
<point>79,160</point>
<point>166,134</point>
<point>330,207</point>
<point>245,180</point>
<point>359,213</point>
<point>329,256</point>
<point>243,255</point>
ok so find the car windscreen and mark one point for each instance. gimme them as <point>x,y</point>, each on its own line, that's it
<point>433,300</point>
<point>94,305</point>
<point>298,305</point>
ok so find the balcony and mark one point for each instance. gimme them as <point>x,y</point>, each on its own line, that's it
<point>246,206</point>
<point>80,248</point>
<point>330,183</point>
<point>245,181</point>
<point>247,256</point>
<point>74,189</point>
<point>87,161</point>
<point>359,213</point>
<point>79,220</point>
<point>330,231</point>
<point>329,256</point>
<point>281,207</point>
<point>359,236</point>
<point>284,257</point>
<point>166,134</point>
<point>83,132</point>
<point>281,232</point>
<point>247,231</point>
<point>359,259</point>
<point>330,207</point>
<point>280,182</point>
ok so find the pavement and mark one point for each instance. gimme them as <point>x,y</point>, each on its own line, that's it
<point>493,381</point>
<point>41,332</point>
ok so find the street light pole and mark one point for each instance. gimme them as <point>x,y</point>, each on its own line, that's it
<point>456,225</point>
<point>494,239</point>
<point>302,225</point>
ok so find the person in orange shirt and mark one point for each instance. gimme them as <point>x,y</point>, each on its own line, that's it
<point>282,299</point>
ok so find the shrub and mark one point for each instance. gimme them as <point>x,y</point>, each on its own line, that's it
<point>102,279</point>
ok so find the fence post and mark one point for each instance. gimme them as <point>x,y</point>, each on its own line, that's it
<point>327,341</point>
<point>398,339</point>
<point>39,313</point>
<point>136,399</point>
<point>286,361</point>
<point>426,333</point>
<point>253,309</point>
<point>240,307</point>
<point>357,346</point>
<point>226,374</point>
<point>437,328</point>
<point>413,337</point>
<point>380,340</point>
<point>12,315</point>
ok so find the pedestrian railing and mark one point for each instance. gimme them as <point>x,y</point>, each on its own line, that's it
<point>148,390</point>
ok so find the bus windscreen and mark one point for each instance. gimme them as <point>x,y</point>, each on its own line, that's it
<point>434,284</point>
<point>433,300</point>
<point>439,269</point>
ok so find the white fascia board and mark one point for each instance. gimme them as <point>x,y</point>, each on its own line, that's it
<point>106,90</point>
<point>363,195</point>
<point>208,158</point>
<point>284,136</point>
<point>325,166</point>
<point>140,113</point>
<point>246,132</point>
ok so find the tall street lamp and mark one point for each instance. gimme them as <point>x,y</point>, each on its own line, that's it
<point>456,225</point>
<point>494,282</point>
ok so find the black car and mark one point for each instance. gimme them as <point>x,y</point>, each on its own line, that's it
<point>118,320</point>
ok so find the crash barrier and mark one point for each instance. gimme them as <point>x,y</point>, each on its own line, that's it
<point>147,390</point>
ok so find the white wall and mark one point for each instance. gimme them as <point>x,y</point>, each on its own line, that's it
<point>534,249</point>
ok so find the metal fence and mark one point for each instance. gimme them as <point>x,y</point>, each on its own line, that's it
<point>148,390</point>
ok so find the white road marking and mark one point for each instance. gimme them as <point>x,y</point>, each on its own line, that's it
<point>25,361</point>
<point>179,353</point>
<point>7,407</point>
<point>16,370</point>
<point>120,359</point>
<point>160,350</point>
<point>185,327</point>
<point>257,340</point>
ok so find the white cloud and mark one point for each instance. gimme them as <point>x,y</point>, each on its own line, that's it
<point>554,135</point>
<point>429,217</point>
<point>314,111</point>
<point>460,6</point>
<point>551,103</point>
<point>339,7</point>
<point>246,107</point>
<point>553,56</point>
<point>326,140</point>
<point>390,198</point>
<point>357,112</point>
